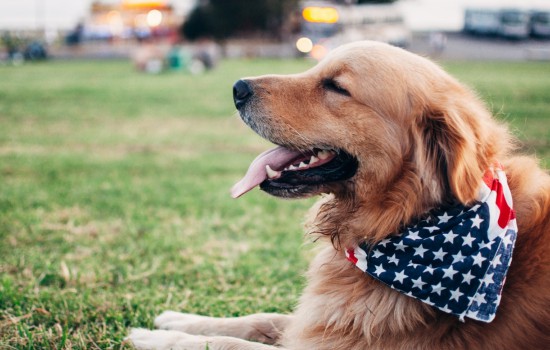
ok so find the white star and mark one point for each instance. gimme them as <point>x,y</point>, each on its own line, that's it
<point>455,294</point>
<point>428,301</point>
<point>458,257</point>
<point>496,261</point>
<point>449,272</point>
<point>476,221</point>
<point>432,228</point>
<point>438,288</point>
<point>446,309</point>
<point>420,251</point>
<point>418,283</point>
<point>384,242</point>
<point>480,298</point>
<point>413,265</point>
<point>478,259</point>
<point>400,276</point>
<point>379,270</point>
<point>486,245</point>
<point>469,239</point>
<point>488,279</point>
<point>393,259</point>
<point>475,207</point>
<point>400,246</point>
<point>444,218</point>
<point>467,277</point>
<point>413,235</point>
<point>473,314</point>
<point>439,254</point>
<point>376,253</point>
<point>430,270</point>
<point>450,237</point>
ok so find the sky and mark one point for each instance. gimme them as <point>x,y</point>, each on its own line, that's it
<point>64,14</point>
<point>55,14</point>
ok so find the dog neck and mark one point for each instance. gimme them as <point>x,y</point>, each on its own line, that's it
<point>456,260</point>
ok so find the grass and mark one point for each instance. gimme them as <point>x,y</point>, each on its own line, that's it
<point>114,200</point>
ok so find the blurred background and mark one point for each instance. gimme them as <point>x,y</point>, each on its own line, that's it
<point>207,30</point>
<point>119,142</point>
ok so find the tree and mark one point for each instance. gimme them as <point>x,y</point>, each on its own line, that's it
<point>223,18</point>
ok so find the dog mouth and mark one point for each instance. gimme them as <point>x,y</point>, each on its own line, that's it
<point>284,172</point>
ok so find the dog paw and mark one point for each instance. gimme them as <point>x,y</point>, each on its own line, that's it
<point>144,339</point>
<point>176,320</point>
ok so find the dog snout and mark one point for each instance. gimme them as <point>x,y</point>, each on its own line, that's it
<point>241,93</point>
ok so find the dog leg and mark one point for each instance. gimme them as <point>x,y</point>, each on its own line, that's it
<point>264,328</point>
<point>144,339</point>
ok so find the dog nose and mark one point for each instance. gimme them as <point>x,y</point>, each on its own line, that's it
<point>241,93</point>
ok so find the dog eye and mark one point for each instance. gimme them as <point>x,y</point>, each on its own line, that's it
<point>332,85</point>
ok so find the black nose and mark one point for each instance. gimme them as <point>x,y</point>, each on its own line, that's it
<point>241,93</point>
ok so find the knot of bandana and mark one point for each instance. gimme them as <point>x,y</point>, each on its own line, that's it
<point>456,260</point>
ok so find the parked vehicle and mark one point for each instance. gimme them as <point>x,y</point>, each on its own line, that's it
<point>540,24</point>
<point>506,23</point>
<point>325,26</point>
<point>510,23</point>
<point>514,24</point>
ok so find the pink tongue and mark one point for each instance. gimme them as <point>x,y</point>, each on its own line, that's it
<point>276,158</point>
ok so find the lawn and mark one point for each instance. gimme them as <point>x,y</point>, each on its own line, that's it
<point>114,196</point>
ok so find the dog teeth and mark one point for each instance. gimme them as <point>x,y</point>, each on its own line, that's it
<point>324,154</point>
<point>313,160</point>
<point>271,173</point>
<point>304,164</point>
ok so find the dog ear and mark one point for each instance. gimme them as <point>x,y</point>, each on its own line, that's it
<point>455,149</point>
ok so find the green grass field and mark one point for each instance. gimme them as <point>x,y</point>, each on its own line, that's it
<point>114,196</point>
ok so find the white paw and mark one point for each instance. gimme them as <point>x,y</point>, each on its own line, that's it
<point>172,319</point>
<point>144,339</point>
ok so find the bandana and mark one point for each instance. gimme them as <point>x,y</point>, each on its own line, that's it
<point>456,260</point>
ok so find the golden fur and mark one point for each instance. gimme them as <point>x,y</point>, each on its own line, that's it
<point>422,139</point>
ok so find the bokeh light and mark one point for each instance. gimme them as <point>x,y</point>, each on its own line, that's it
<point>304,45</point>
<point>154,18</point>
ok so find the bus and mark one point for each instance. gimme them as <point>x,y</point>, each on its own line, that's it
<point>324,26</point>
<point>506,23</point>
<point>540,24</point>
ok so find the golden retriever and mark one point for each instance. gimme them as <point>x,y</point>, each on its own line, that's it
<point>389,136</point>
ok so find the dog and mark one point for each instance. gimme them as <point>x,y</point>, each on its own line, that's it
<point>395,146</point>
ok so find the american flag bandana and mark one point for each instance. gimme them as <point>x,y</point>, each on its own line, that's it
<point>455,260</point>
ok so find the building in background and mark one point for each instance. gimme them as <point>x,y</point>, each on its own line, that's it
<point>128,19</point>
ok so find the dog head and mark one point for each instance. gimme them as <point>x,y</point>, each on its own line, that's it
<point>372,122</point>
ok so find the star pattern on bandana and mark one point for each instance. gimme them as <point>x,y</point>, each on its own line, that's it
<point>451,265</point>
<point>456,259</point>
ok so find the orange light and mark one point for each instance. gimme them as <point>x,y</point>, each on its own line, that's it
<point>143,4</point>
<point>318,52</point>
<point>320,14</point>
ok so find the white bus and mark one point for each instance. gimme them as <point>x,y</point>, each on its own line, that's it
<point>325,26</point>
<point>507,23</point>
<point>540,23</point>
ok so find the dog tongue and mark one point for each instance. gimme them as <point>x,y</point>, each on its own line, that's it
<point>276,158</point>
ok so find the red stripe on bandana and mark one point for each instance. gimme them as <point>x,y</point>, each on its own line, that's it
<point>506,213</point>
<point>351,256</point>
